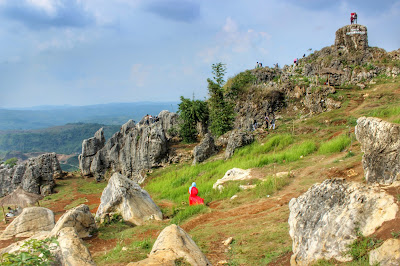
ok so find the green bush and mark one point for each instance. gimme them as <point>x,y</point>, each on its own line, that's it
<point>361,246</point>
<point>337,144</point>
<point>11,162</point>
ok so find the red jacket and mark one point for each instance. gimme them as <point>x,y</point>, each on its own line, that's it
<point>193,198</point>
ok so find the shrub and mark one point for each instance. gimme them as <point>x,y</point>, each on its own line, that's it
<point>361,246</point>
<point>11,162</point>
<point>337,144</point>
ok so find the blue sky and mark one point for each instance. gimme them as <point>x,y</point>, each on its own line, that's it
<point>82,52</point>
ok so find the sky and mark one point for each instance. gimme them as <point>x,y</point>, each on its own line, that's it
<point>84,52</point>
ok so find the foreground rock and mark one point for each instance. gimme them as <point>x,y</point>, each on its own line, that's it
<point>126,197</point>
<point>72,249</point>
<point>35,176</point>
<point>205,149</point>
<point>324,220</point>
<point>234,174</point>
<point>380,142</point>
<point>236,140</point>
<point>388,254</point>
<point>172,245</point>
<point>31,221</point>
<point>80,218</point>
<point>131,151</point>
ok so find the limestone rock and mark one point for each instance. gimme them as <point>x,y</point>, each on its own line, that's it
<point>172,244</point>
<point>236,140</point>
<point>31,221</point>
<point>35,174</point>
<point>234,174</point>
<point>316,99</point>
<point>73,251</point>
<point>380,142</point>
<point>89,149</point>
<point>352,38</point>
<point>386,255</point>
<point>79,218</point>
<point>132,150</point>
<point>323,220</point>
<point>127,198</point>
<point>205,149</point>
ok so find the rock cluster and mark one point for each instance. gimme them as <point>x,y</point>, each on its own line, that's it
<point>380,142</point>
<point>35,176</point>
<point>125,197</point>
<point>132,150</point>
<point>236,140</point>
<point>174,245</point>
<point>327,218</point>
<point>205,149</point>
<point>352,38</point>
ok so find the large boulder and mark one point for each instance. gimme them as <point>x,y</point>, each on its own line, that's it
<point>352,38</point>
<point>35,176</point>
<point>131,151</point>
<point>380,142</point>
<point>236,140</point>
<point>73,250</point>
<point>326,219</point>
<point>234,174</point>
<point>388,254</point>
<point>79,218</point>
<point>205,149</point>
<point>127,198</point>
<point>31,221</point>
<point>174,244</point>
<point>90,147</point>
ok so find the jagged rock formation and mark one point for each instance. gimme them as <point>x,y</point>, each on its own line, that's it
<point>388,254</point>
<point>79,218</point>
<point>325,220</point>
<point>380,142</point>
<point>31,221</point>
<point>205,149</point>
<point>236,140</point>
<point>132,150</point>
<point>172,245</point>
<point>352,38</point>
<point>126,197</point>
<point>35,176</point>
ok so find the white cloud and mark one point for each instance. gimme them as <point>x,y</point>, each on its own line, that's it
<point>49,6</point>
<point>230,25</point>
<point>140,74</point>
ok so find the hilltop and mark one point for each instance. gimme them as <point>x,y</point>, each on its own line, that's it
<point>314,140</point>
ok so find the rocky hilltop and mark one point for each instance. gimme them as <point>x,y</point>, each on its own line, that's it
<point>132,151</point>
<point>35,176</point>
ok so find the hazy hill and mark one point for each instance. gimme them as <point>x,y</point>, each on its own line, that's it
<point>109,114</point>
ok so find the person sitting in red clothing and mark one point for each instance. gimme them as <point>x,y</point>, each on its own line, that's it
<point>193,198</point>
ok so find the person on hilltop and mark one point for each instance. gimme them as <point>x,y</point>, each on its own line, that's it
<point>193,198</point>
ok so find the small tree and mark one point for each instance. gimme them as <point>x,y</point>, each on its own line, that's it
<point>221,110</point>
<point>191,112</point>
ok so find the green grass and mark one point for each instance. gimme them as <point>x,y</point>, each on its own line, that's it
<point>90,187</point>
<point>75,203</point>
<point>334,145</point>
<point>185,213</point>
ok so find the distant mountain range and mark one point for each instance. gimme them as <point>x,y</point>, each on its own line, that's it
<point>108,114</point>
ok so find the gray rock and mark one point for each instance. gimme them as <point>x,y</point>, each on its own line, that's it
<point>352,38</point>
<point>79,218</point>
<point>205,149</point>
<point>35,174</point>
<point>126,197</point>
<point>380,142</point>
<point>236,140</point>
<point>325,220</point>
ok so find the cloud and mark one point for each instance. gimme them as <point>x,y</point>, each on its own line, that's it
<point>140,74</point>
<point>178,10</point>
<point>39,14</point>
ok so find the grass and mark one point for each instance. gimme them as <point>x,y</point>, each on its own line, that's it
<point>75,203</point>
<point>334,145</point>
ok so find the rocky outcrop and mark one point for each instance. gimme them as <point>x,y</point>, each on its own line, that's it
<point>31,221</point>
<point>234,174</point>
<point>172,245</point>
<point>90,147</point>
<point>325,220</point>
<point>352,38</point>
<point>127,198</point>
<point>205,149</point>
<point>236,140</point>
<point>79,218</point>
<point>35,176</point>
<point>388,254</point>
<point>316,99</point>
<point>72,249</point>
<point>380,142</point>
<point>132,150</point>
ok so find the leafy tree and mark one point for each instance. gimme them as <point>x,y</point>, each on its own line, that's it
<point>221,109</point>
<point>11,162</point>
<point>191,112</point>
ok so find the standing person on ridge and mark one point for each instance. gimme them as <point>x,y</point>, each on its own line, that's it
<point>193,198</point>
